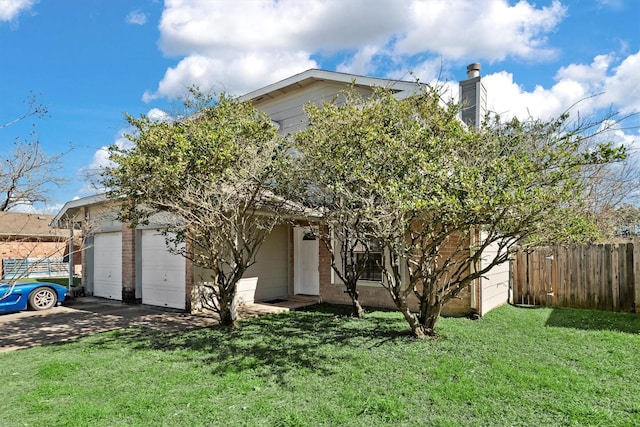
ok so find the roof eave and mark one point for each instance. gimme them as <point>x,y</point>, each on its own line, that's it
<point>407,88</point>
<point>71,209</point>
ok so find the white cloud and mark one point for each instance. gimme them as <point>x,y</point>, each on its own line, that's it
<point>10,9</point>
<point>604,83</point>
<point>233,73</point>
<point>613,4</point>
<point>26,207</point>
<point>245,44</point>
<point>361,62</point>
<point>136,17</point>
<point>487,29</point>
<point>91,174</point>
<point>51,209</point>
<point>39,208</point>
<point>240,46</point>
<point>158,115</point>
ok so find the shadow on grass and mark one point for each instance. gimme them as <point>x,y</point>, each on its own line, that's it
<point>594,320</point>
<point>318,340</point>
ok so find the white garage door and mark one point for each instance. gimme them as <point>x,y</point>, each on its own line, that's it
<point>163,273</point>
<point>107,262</point>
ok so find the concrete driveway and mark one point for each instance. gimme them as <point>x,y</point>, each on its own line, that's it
<point>86,316</point>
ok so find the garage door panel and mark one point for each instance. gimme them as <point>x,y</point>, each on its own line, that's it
<point>163,273</point>
<point>107,271</point>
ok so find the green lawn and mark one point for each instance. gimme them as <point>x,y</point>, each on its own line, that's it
<point>516,366</point>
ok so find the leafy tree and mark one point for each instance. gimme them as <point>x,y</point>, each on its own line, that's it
<point>423,186</point>
<point>215,170</point>
<point>26,172</point>
<point>333,182</point>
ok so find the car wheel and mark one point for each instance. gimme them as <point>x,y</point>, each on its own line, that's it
<point>42,299</point>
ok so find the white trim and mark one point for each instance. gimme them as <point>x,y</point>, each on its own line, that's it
<point>405,88</point>
<point>298,233</point>
<point>69,208</point>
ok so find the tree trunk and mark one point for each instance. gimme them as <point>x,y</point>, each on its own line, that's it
<point>429,315</point>
<point>358,311</point>
<point>416,328</point>
<point>226,315</point>
<point>226,310</point>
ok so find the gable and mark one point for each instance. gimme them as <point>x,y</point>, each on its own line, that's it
<point>283,101</point>
<point>287,109</point>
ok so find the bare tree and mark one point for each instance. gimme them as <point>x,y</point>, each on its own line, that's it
<point>26,171</point>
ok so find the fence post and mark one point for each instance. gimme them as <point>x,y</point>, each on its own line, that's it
<point>636,275</point>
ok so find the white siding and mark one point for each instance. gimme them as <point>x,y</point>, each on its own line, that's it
<point>103,218</point>
<point>268,278</point>
<point>287,109</point>
<point>494,289</point>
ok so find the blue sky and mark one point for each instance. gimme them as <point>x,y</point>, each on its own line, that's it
<point>90,61</point>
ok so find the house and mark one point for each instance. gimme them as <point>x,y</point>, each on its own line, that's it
<point>134,265</point>
<point>30,248</point>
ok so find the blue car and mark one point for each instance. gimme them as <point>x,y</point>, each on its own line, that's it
<point>34,295</point>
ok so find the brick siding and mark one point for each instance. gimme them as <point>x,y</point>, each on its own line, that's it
<point>128,264</point>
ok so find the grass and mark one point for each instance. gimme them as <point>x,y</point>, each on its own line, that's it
<point>515,366</point>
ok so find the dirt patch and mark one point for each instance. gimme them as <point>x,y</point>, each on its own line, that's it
<point>87,316</point>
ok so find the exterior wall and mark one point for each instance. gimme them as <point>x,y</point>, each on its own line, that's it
<point>269,278</point>
<point>189,287</point>
<point>494,286</point>
<point>287,109</point>
<point>87,255</point>
<point>128,264</point>
<point>372,295</point>
<point>31,249</point>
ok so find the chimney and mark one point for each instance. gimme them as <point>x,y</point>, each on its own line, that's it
<point>473,97</point>
<point>473,70</point>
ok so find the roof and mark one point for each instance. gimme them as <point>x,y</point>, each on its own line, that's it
<point>401,88</point>
<point>314,75</point>
<point>73,207</point>
<point>14,224</point>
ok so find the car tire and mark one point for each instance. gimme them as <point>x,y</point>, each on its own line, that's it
<point>42,299</point>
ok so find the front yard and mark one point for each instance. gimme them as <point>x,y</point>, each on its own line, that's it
<point>516,366</point>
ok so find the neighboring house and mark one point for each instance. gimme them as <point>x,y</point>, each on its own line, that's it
<point>30,248</point>
<point>134,265</point>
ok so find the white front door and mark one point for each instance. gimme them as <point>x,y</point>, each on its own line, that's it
<point>306,257</point>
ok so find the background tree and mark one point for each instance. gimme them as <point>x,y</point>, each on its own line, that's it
<point>215,170</point>
<point>427,186</point>
<point>26,172</point>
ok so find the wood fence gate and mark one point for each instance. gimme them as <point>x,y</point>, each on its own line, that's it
<point>600,277</point>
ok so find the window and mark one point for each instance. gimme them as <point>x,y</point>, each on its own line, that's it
<point>372,270</point>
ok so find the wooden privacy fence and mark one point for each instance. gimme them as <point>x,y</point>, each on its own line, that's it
<point>600,277</point>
